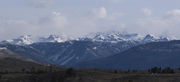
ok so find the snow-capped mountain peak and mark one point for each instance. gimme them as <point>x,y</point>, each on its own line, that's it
<point>150,37</point>
<point>119,37</point>
<point>165,38</point>
<point>112,37</point>
<point>53,38</point>
<point>22,40</point>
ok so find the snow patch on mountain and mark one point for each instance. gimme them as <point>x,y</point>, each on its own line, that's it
<point>94,48</point>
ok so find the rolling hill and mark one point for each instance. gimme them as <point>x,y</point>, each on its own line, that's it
<point>12,62</point>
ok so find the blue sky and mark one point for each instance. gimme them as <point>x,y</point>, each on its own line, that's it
<point>79,17</point>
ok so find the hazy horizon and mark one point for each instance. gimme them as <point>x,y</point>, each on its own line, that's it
<point>80,17</point>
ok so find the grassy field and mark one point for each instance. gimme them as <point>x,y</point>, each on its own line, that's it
<point>89,75</point>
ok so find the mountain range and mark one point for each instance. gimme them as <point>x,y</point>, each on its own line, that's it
<point>81,52</point>
<point>97,37</point>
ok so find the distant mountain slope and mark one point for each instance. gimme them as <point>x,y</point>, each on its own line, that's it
<point>69,53</point>
<point>141,57</point>
<point>26,52</point>
<point>96,45</point>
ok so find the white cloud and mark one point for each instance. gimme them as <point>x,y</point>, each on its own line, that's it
<point>175,12</point>
<point>168,24</point>
<point>100,12</point>
<point>14,28</point>
<point>53,24</point>
<point>147,12</point>
<point>56,19</point>
<point>58,23</point>
<point>101,20</point>
<point>41,3</point>
<point>115,15</point>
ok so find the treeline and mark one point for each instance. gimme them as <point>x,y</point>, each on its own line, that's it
<point>160,70</point>
<point>154,70</point>
<point>49,69</point>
